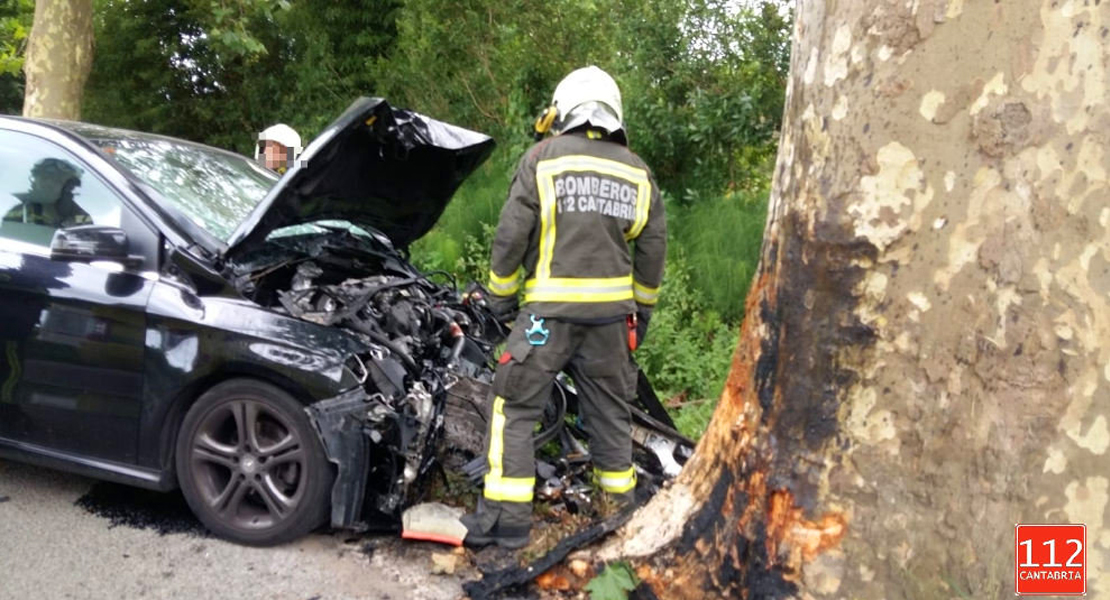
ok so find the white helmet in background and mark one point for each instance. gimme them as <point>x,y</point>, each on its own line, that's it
<point>282,134</point>
<point>587,95</point>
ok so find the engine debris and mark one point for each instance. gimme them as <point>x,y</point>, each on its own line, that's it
<point>424,378</point>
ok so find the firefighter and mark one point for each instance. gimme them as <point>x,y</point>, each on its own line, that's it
<point>578,199</point>
<point>50,199</point>
<point>278,147</point>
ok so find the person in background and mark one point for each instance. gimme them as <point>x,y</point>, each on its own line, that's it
<point>278,146</point>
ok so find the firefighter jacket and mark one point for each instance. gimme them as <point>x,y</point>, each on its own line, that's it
<point>574,206</point>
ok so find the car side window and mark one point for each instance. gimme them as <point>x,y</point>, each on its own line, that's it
<point>43,188</point>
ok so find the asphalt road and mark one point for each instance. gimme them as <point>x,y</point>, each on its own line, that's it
<point>64,536</point>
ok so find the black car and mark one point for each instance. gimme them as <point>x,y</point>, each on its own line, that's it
<point>174,315</point>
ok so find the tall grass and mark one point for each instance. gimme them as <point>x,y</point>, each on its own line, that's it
<point>721,236</point>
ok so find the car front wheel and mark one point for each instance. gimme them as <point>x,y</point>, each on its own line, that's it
<point>250,465</point>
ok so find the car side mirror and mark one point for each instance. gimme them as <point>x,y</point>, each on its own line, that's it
<point>87,243</point>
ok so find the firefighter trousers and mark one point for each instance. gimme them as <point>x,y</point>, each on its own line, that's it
<point>597,359</point>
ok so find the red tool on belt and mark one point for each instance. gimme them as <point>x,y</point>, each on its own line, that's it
<point>632,341</point>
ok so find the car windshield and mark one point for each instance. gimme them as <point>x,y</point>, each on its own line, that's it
<point>213,188</point>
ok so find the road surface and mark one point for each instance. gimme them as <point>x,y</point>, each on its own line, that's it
<point>65,536</point>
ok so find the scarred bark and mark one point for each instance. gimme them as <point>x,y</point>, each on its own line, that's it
<point>59,58</point>
<point>923,360</point>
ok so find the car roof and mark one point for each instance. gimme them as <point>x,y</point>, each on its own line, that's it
<point>92,131</point>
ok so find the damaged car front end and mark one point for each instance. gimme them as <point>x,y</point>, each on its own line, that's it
<point>421,340</point>
<point>329,246</point>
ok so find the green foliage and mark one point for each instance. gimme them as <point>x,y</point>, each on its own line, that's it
<point>721,235</point>
<point>613,583</point>
<point>467,261</point>
<point>230,24</point>
<point>702,81</point>
<point>15,25</point>
<point>492,64</point>
<point>715,245</point>
<point>220,71</point>
<point>708,80</point>
<point>693,417</point>
<point>688,349</point>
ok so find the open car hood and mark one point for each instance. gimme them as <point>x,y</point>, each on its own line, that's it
<point>378,167</point>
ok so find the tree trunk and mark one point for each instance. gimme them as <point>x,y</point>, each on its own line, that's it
<point>59,58</point>
<point>923,363</point>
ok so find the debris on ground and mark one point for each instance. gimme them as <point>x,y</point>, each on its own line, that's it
<point>433,522</point>
<point>552,525</point>
<point>564,474</point>
<point>446,563</point>
<point>580,568</point>
<point>569,511</point>
<point>556,579</point>
<point>495,583</point>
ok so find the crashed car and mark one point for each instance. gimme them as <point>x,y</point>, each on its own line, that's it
<point>170,310</point>
<point>176,316</point>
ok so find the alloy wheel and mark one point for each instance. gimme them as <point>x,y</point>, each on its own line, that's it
<point>249,464</point>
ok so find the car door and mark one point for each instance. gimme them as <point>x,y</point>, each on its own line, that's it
<point>72,333</point>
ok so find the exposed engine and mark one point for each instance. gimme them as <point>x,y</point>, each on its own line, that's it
<point>423,339</point>
<point>416,319</point>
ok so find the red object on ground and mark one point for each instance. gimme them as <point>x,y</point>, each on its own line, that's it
<point>431,537</point>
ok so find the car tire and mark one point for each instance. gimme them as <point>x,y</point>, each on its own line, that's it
<point>251,466</point>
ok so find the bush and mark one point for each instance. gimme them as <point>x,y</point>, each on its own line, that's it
<point>688,349</point>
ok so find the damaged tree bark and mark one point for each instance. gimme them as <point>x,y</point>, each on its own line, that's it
<point>59,59</point>
<point>923,361</point>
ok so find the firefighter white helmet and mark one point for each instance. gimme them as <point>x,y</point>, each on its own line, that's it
<point>588,95</point>
<point>282,134</point>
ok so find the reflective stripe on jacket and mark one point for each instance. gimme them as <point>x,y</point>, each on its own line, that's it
<point>574,206</point>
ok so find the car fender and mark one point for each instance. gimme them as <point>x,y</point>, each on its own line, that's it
<point>194,342</point>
